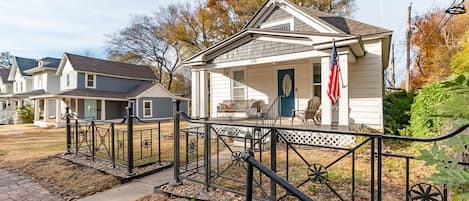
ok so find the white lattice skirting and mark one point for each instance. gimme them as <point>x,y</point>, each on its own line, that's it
<point>300,137</point>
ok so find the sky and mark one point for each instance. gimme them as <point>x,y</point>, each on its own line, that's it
<point>36,29</point>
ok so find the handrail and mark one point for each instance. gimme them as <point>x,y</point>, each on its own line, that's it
<point>277,103</point>
<point>334,132</point>
<point>248,156</point>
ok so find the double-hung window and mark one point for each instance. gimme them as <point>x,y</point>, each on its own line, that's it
<point>68,79</point>
<point>147,108</point>
<point>90,80</point>
<point>317,79</point>
<point>239,87</point>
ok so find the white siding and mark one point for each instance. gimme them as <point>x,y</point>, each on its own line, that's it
<point>219,90</point>
<point>366,88</point>
<point>261,82</point>
<point>68,70</point>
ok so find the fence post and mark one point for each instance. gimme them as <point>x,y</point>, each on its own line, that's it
<point>69,129</point>
<point>380,162</point>
<point>372,169</point>
<point>76,136</point>
<point>250,178</point>
<point>93,154</point>
<point>207,151</point>
<point>176,140</point>
<point>113,146</point>
<point>273,163</point>
<point>130,144</point>
<point>159,142</point>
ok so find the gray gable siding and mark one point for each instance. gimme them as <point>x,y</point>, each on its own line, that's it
<point>107,83</point>
<point>162,107</point>
<point>259,49</point>
<point>278,14</point>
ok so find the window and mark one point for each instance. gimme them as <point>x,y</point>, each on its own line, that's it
<point>90,80</point>
<point>283,25</point>
<point>147,108</point>
<point>39,83</point>
<point>67,77</point>
<point>21,86</point>
<point>317,79</point>
<point>239,87</point>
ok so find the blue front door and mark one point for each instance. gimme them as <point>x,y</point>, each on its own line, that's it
<point>286,89</point>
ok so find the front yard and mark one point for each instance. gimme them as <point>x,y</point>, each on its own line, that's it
<point>33,151</point>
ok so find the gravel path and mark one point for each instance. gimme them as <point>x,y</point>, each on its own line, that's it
<point>15,187</point>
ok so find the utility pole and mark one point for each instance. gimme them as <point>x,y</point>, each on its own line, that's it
<point>393,68</point>
<point>409,36</point>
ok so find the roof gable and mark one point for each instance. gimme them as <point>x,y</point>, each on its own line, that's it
<point>20,65</point>
<point>273,9</point>
<point>107,68</point>
<point>321,21</point>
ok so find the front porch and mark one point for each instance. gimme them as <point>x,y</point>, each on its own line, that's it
<point>50,111</point>
<point>274,93</point>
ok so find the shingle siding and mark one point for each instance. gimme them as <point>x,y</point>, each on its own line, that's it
<point>258,49</point>
<point>278,14</point>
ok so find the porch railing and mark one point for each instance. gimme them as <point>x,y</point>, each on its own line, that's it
<point>117,142</point>
<point>273,113</point>
<point>209,156</point>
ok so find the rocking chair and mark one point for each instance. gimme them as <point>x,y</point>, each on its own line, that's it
<point>312,111</point>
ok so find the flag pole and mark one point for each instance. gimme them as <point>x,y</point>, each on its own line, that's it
<point>340,72</point>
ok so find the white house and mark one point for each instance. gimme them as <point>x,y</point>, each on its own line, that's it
<point>284,40</point>
<point>6,88</point>
<point>22,84</point>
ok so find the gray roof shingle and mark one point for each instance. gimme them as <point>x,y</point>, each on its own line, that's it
<point>50,62</point>
<point>87,64</point>
<point>344,24</point>
<point>4,75</point>
<point>25,64</point>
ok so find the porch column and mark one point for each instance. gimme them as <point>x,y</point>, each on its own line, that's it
<point>326,107</point>
<point>195,94</point>
<point>36,109</point>
<point>76,106</point>
<point>58,104</point>
<point>103,109</point>
<point>203,94</point>
<point>46,109</point>
<point>344,87</point>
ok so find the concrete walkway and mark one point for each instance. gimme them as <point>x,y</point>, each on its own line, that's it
<point>15,187</point>
<point>143,186</point>
<point>135,189</point>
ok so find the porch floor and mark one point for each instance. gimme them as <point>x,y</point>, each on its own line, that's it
<point>284,121</point>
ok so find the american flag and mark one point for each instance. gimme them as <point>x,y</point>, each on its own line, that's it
<point>333,87</point>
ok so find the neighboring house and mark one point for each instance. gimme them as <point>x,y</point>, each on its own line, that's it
<point>284,53</point>
<point>44,80</point>
<point>100,89</point>
<point>22,84</point>
<point>6,88</point>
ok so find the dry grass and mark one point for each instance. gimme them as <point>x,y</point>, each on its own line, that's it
<point>29,150</point>
<point>339,174</point>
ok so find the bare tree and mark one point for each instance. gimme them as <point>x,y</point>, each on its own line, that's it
<point>5,59</point>
<point>143,42</point>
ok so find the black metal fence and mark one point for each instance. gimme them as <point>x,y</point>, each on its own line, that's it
<point>211,154</point>
<point>117,142</point>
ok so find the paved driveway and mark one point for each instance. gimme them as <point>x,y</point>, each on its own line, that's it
<point>14,187</point>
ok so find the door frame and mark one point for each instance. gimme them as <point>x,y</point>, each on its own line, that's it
<point>275,80</point>
<point>295,83</point>
<point>86,109</point>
